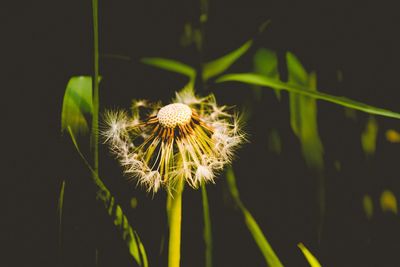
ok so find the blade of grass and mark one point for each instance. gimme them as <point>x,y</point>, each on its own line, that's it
<point>207,234</point>
<point>95,116</point>
<point>309,256</point>
<point>218,66</point>
<point>60,211</point>
<point>77,104</point>
<point>251,78</point>
<point>171,65</point>
<point>131,238</point>
<point>270,257</point>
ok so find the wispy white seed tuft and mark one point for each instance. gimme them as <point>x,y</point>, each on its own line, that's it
<point>192,138</point>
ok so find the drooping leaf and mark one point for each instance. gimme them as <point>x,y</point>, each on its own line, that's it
<point>388,202</point>
<point>131,238</point>
<point>171,65</point>
<point>270,257</point>
<point>265,63</point>
<point>368,136</point>
<point>309,256</point>
<point>218,66</point>
<point>252,78</point>
<point>207,232</point>
<point>368,206</point>
<point>77,106</point>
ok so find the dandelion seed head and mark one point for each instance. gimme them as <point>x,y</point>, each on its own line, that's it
<point>174,114</point>
<point>191,138</point>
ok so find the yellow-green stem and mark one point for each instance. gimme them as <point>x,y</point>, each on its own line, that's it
<point>207,234</point>
<point>175,218</point>
<point>95,86</point>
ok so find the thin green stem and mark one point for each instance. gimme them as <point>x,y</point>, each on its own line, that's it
<point>95,86</point>
<point>175,218</point>
<point>207,227</point>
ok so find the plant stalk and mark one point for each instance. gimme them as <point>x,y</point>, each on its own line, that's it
<point>175,218</point>
<point>95,86</point>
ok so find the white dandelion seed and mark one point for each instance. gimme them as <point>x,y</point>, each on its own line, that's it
<point>192,138</point>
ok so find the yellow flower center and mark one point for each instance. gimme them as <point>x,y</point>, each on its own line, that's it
<point>174,114</point>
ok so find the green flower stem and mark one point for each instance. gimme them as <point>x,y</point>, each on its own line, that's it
<point>207,234</point>
<point>175,218</point>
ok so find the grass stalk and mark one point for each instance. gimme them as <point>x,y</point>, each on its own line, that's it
<point>175,219</point>
<point>95,86</point>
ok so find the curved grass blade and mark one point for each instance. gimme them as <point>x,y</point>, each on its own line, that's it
<point>60,211</point>
<point>218,66</point>
<point>77,105</point>
<point>270,257</point>
<point>256,79</point>
<point>171,65</point>
<point>207,234</point>
<point>131,238</point>
<point>309,256</point>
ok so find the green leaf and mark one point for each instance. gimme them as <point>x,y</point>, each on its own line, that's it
<point>309,256</point>
<point>60,211</point>
<point>171,65</point>
<point>270,257</point>
<point>303,114</point>
<point>131,238</point>
<point>368,137</point>
<point>77,105</point>
<point>218,66</point>
<point>207,232</point>
<point>256,79</point>
<point>265,63</point>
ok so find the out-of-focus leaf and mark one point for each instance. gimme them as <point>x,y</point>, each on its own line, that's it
<point>256,79</point>
<point>392,136</point>
<point>303,114</point>
<point>368,136</point>
<point>131,238</point>
<point>77,105</point>
<point>60,211</point>
<point>133,203</point>
<point>171,65</point>
<point>218,66</point>
<point>338,165</point>
<point>274,141</point>
<point>270,257</point>
<point>309,256</point>
<point>388,202</point>
<point>207,232</point>
<point>303,119</point>
<point>368,206</point>
<point>350,113</point>
<point>265,63</point>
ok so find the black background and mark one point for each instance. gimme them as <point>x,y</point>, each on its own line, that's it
<point>44,43</point>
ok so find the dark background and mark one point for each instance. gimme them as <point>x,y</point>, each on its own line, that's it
<point>44,43</point>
